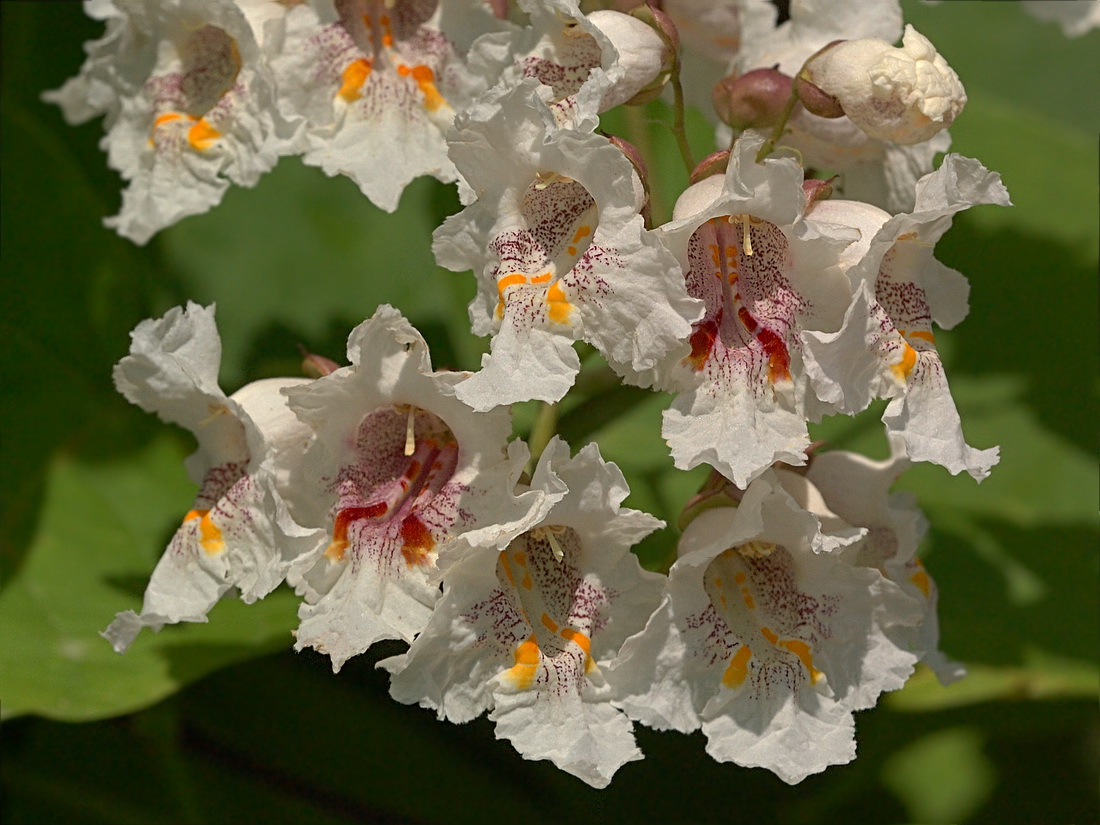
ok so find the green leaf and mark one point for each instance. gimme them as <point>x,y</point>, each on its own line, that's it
<point>994,411</point>
<point>304,258</point>
<point>101,528</point>
<point>942,777</point>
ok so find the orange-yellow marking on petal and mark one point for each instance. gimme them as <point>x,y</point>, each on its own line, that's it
<point>510,280</point>
<point>558,305</point>
<point>549,623</point>
<point>425,81</point>
<point>802,651</point>
<point>353,78</point>
<point>541,279</point>
<point>584,643</point>
<point>166,118</point>
<point>738,668</point>
<point>202,135</point>
<point>770,635</point>
<point>746,597</point>
<point>921,579</point>
<point>905,366</point>
<point>521,560</point>
<point>924,335</point>
<point>210,537</point>
<point>526,656</point>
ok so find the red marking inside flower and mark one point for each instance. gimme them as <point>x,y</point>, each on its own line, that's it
<point>344,519</point>
<point>417,541</point>
<point>703,338</point>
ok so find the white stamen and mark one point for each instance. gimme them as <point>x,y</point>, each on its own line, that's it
<point>410,431</point>
<point>746,237</point>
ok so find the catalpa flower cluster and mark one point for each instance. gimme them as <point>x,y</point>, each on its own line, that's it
<point>796,278</point>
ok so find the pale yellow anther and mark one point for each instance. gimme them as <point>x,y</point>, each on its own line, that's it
<point>746,239</point>
<point>548,533</point>
<point>544,179</point>
<point>756,549</point>
<point>215,411</point>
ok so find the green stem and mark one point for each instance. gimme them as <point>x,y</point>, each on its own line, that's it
<point>546,424</point>
<point>777,132</point>
<point>678,119</point>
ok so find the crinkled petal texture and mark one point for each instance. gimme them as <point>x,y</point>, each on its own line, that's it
<point>526,633</point>
<point>585,64</point>
<point>871,170</point>
<point>885,347</point>
<point>560,252</point>
<point>764,275</point>
<point>238,533</point>
<point>903,95</point>
<point>857,490</point>
<point>778,636</point>
<point>398,469</point>
<point>190,108</point>
<point>378,84</point>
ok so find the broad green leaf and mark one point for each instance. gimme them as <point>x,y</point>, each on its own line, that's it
<point>304,258</point>
<point>100,530</point>
<point>1041,478</point>
<point>942,777</point>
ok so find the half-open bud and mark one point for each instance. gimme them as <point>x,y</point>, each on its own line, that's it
<point>904,95</point>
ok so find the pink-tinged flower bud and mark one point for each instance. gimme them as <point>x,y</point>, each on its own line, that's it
<point>713,164</point>
<point>316,366</point>
<point>816,101</point>
<point>638,162</point>
<point>904,95</point>
<point>755,99</point>
<point>817,190</point>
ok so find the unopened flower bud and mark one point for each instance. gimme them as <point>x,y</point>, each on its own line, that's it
<point>753,100</point>
<point>817,101</point>
<point>904,95</point>
<point>816,190</point>
<point>643,53</point>
<point>316,366</point>
<point>713,164</point>
<point>638,162</point>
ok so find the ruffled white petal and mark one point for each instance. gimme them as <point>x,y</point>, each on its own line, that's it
<point>399,469</point>
<point>526,635</point>
<point>239,532</point>
<point>560,251</point>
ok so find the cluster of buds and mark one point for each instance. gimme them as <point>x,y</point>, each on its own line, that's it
<point>390,495</point>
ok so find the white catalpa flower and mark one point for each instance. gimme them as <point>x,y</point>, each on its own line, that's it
<point>378,82</point>
<point>525,633</point>
<point>770,637</point>
<point>189,105</point>
<point>886,347</point>
<point>871,170</point>
<point>904,95</point>
<point>238,533</point>
<point>399,468</point>
<point>560,252</point>
<point>764,275</point>
<point>857,490</point>
<point>586,64</point>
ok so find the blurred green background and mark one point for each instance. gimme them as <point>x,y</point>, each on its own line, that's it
<point>221,722</point>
